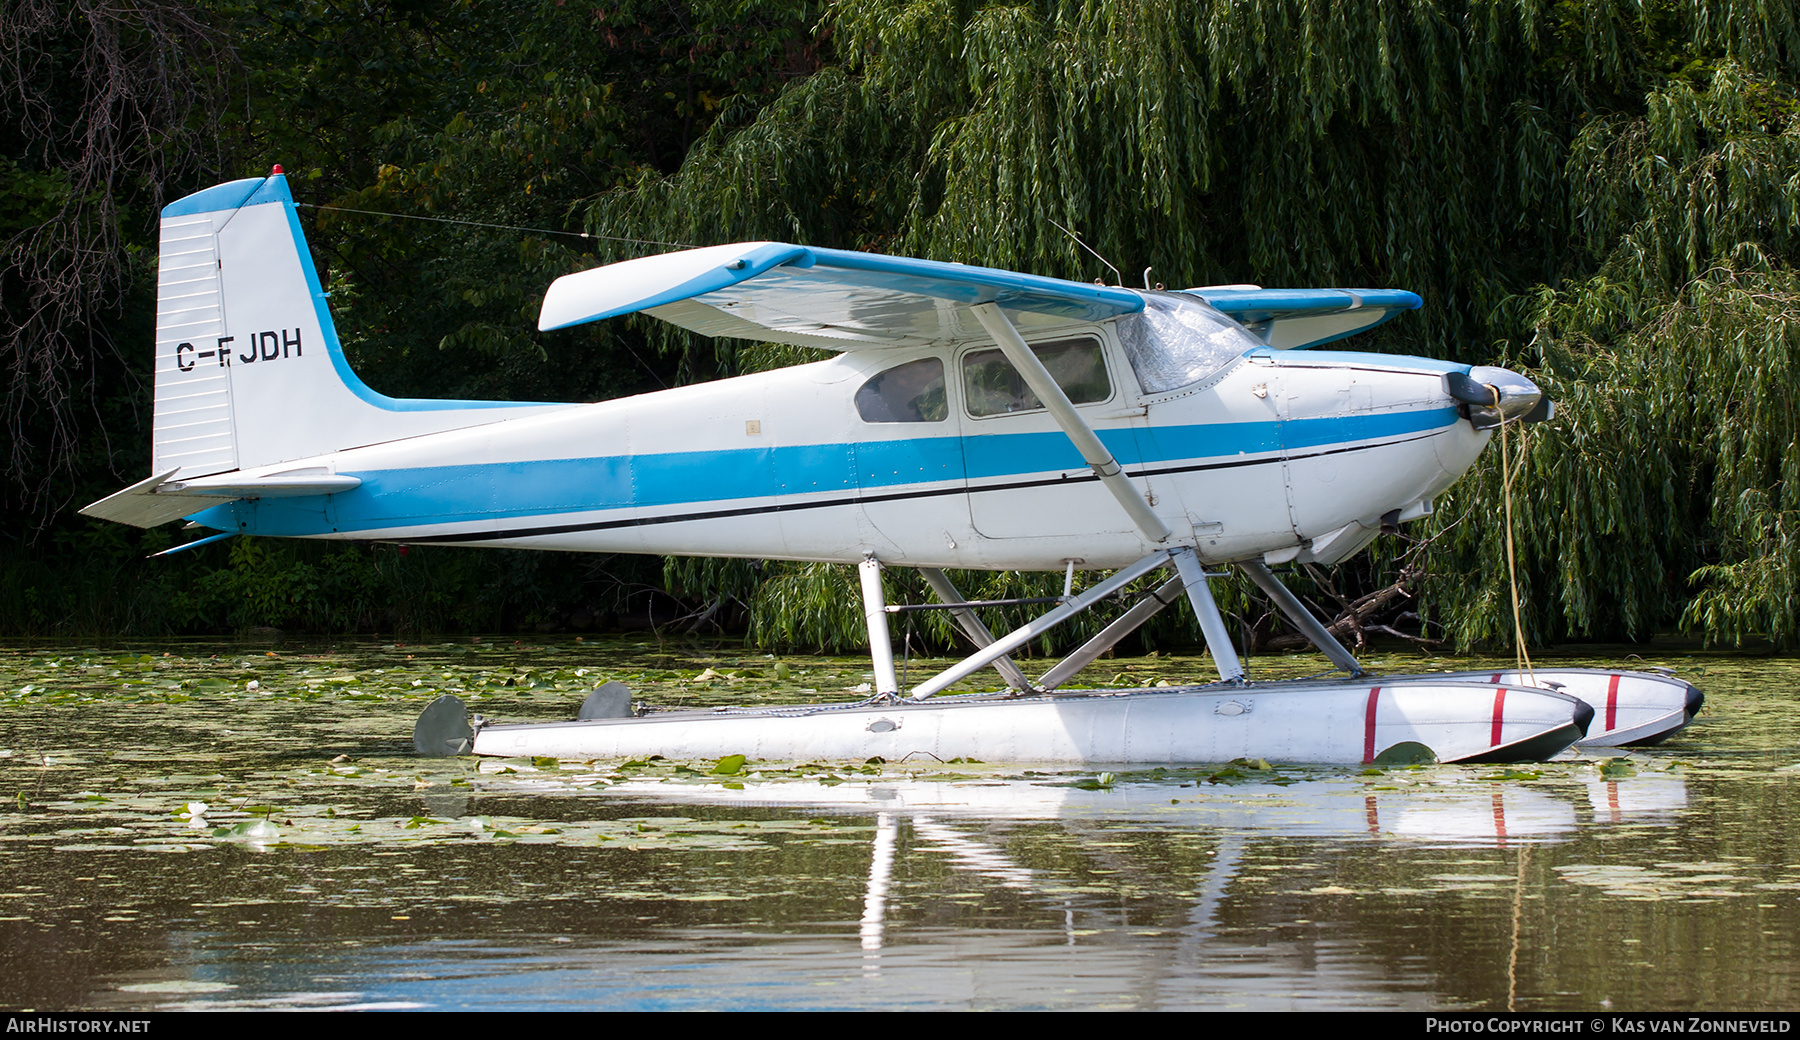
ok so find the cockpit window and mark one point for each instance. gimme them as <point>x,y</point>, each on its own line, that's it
<point>1177,340</point>
<point>994,387</point>
<point>913,392</point>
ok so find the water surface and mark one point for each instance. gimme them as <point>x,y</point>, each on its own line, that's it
<point>203,826</point>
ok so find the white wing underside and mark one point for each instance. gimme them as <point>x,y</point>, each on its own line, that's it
<point>842,300</point>
<point>829,298</point>
<point>815,312</point>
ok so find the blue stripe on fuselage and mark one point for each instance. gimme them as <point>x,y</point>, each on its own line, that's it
<point>551,487</point>
<point>1010,455</point>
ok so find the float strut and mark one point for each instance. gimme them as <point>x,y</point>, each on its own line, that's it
<point>1294,611</point>
<point>972,627</point>
<point>1027,632</point>
<point>881,647</point>
<point>1193,577</point>
<point>1129,622</point>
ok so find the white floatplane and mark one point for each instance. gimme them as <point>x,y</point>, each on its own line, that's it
<point>972,418</point>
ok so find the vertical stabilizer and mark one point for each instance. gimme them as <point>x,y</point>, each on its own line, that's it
<point>249,370</point>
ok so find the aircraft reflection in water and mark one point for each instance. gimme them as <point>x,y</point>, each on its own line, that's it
<point>974,418</point>
<point>953,819</point>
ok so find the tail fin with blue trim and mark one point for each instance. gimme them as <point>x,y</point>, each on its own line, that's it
<point>249,370</point>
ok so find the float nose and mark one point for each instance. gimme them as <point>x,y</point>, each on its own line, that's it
<point>1584,716</point>
<point>1494,395</point>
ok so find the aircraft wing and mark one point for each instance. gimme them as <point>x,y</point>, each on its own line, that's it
<point>830,298</point>
<point>840,300</point>
<point>1293,319</point>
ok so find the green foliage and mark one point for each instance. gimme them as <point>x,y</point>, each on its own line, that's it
<point>1286,142</point>
<point>100,105</point>
<point>95,579</point>
<point>504,112</point>
<point>1663,490</point>
<point>1599,192</point>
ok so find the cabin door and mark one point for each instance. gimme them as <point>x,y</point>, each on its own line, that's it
<point>1026,480</point>
<point>906,458</point>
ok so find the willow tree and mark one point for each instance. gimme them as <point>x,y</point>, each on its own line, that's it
<point>1667,487</point>
<point>470,115</point>
<point>100,105</point>
<point>1599,191</point>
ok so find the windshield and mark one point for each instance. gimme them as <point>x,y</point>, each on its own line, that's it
<point>1178,340</point>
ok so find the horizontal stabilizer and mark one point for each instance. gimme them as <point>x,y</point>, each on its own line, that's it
<point>830,298</point>
<point>1292,319</point>
<point>161,498</point>
<point>140,506</point>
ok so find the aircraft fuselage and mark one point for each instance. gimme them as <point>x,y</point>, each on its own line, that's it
<point>1276,452</point>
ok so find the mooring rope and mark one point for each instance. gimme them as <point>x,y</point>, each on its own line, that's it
<point>1521,656</point>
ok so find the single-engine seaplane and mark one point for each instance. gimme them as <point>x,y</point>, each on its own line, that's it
<point>972,419</point>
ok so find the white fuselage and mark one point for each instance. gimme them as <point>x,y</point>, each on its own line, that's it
<point>1279,454</point>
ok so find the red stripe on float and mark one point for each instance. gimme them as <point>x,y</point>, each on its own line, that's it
<point>1496,678</point>
<point>1369,726</point>
<point>1499,715</point>
<point>1612,703</point>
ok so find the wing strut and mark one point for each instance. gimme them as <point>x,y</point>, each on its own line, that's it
<point>1086,441</point>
